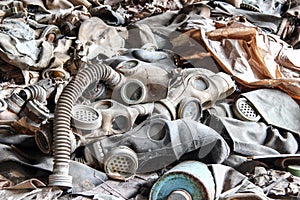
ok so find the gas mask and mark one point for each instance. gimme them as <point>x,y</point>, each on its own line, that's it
<point>117,118</point>
<point>30,102</point>
<point>153,145</point>
<point>140,82</point>
<point>190,91</point>
<point>108,117</point>
<point>164,59</point>
<point>144,74</point>
<point>138,73</point>
<point>240,109</point>
<point>194,90</point>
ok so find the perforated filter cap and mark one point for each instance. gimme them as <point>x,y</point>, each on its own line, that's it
<point>121,163</point>
<point>86,117</point>
<point>244,110</point>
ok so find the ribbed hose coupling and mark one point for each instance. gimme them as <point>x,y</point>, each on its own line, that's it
<point>34,92</point>
<point>62,118</point>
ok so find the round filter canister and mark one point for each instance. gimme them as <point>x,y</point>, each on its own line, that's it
<point>189,180</point>
<point>86,117</point>
<point>121,163</point>
<point>245,111</point>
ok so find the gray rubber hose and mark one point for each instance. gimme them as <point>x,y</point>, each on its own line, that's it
<point>62,118</point>
<point>34,92</point>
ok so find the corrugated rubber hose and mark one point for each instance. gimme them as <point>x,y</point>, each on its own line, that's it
<point>34,92</point>
<point>62,118</point>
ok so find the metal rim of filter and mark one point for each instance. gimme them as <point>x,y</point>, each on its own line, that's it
<point>121,163</point>
<point>133,92</point>
<point>43,141</point>
<point>179,195</point>
<point>190,108</point>
<point>13,106</point>
<point>243,110</point>
<point>17,99</point>
<point>86,117</point>
<point>188,179</point>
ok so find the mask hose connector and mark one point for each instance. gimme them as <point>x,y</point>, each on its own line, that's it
<point>34,92</point>
<point>62,118</point>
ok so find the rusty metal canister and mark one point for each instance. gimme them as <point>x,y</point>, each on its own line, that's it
<point>189,180</point>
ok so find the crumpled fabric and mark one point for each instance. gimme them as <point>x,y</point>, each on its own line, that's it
<point>272,7</point>
<point>33,163</point>
<point>61,13</point>
<point>50,5</point>
<point>58,4</point>
<point>20,48</point>
<point>275,183</point>
<point>116,190</point>
<point>251,56</point>
<point>231,184</point>
<point>60,58</point>
<point>46,193</point>
<point>155,30</point>
<point>104,40</point>
<point>108,15</point>
<point>279,67</point>
<point>163,32</point>
<point>253,138</point>
<point>272,105</point>
<point>267,21</point>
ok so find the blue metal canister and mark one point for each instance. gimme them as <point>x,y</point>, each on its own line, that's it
<point>189,180</point>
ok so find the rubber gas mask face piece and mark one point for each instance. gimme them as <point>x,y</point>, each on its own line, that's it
<point>164,59</point>
<point>140,82</point>
<point>155,144</point>
<point>118,118</point>
<point>107,117</point>
<point>194,90</point>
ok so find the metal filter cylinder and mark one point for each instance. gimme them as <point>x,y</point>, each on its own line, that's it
<point>186,181</point>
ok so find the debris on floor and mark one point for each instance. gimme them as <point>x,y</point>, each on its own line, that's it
<point>151,99</point>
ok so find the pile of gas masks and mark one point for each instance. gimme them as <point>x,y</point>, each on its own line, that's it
<point>151,117</point>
